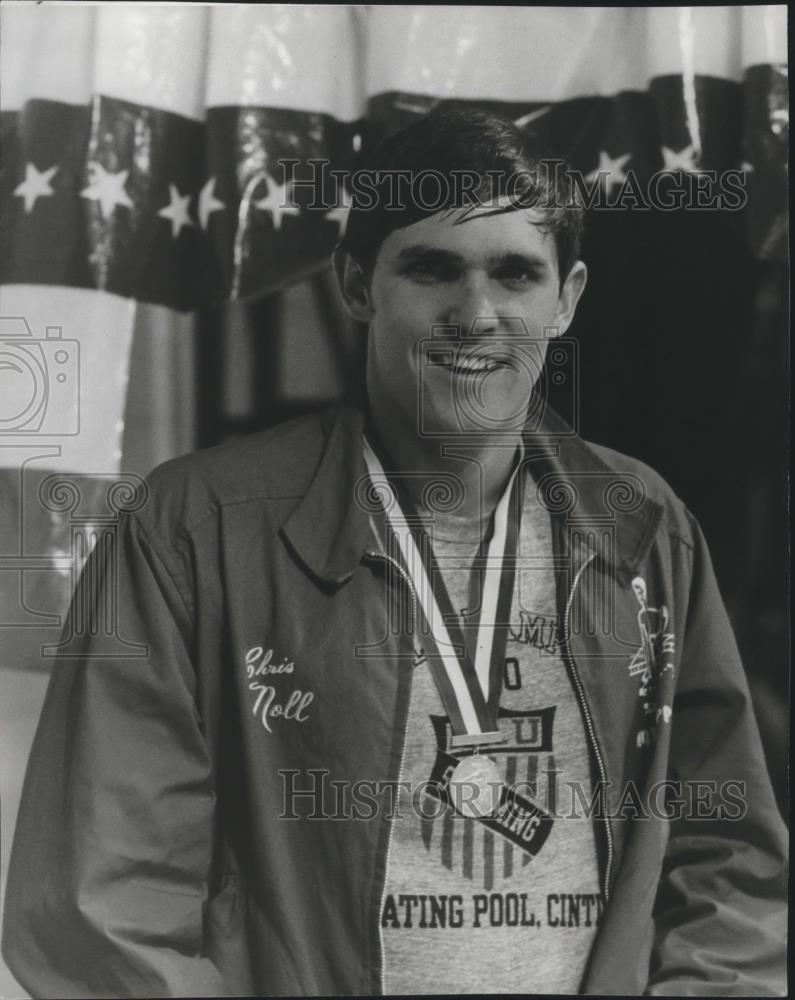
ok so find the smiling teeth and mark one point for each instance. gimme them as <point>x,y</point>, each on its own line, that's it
<point>474,366</point>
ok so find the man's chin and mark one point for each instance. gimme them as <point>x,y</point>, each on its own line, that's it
<point>495,404</point>
<point>468,421</point>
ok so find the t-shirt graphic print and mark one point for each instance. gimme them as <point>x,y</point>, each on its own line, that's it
<point>507,902</point>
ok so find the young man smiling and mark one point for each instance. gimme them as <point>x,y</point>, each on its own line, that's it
<point>446,596</point>
<point>493,276</point>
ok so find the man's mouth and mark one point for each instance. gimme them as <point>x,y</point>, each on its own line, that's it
<point>476,364</point>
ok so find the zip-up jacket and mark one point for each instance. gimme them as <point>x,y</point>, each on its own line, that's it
<point>171,838</point>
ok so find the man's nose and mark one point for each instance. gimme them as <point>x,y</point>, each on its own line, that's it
<point>474,309</point>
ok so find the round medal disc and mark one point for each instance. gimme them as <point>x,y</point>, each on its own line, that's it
<point>475,787</point>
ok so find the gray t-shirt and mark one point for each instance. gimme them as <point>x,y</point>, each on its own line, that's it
<point>470,908</point>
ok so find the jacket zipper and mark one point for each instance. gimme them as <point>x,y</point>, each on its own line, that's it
<point>588,718</point>
<point>407,579</point>
<point>404,576</point>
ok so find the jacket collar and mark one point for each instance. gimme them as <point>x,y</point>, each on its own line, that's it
<point>609,509</point>
<point>330,530</point>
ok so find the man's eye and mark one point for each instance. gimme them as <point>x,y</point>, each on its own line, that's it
<point>429,270</point>
<point>516,275</point>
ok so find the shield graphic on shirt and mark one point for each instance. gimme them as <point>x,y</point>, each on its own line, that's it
<point>486,850</point>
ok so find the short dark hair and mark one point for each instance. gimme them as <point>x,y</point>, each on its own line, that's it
<point>452,142</point>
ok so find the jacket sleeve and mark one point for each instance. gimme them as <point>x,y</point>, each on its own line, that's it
<point>107,880</point>
<point>720,913</point>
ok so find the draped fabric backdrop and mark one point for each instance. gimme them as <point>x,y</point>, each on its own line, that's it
<point>141,187</point>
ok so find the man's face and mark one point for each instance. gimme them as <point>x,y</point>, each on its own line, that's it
<point>493,281</point>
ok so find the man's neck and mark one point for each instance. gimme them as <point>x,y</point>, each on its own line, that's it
<point>477,467</point>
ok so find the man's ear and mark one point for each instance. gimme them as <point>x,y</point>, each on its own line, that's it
<point>570,293</point>
<point>353,285</point>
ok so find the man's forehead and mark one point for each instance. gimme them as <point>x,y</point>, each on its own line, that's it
<point>488,230</point>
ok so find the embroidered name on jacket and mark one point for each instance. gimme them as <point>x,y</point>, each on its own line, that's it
<point>274,702</point>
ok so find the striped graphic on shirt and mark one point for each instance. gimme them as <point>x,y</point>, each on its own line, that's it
<point>486,855</point>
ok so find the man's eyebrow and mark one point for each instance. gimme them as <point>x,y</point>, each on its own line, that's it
<point>511,258</point>
<point>418,250</point>
<point>531,262</point>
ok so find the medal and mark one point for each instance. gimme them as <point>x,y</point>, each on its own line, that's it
<point>468,673</point>
<point>475,786</point>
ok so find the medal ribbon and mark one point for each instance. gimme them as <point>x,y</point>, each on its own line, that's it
<point>468,675</point>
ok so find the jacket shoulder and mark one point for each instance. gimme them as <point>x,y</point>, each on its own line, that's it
<point>275,464</point>
<point>676,520</point>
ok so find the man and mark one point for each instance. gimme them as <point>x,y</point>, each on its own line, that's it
<point>401,726</point>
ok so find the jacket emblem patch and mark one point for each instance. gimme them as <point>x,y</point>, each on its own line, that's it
<point>653,663</point>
